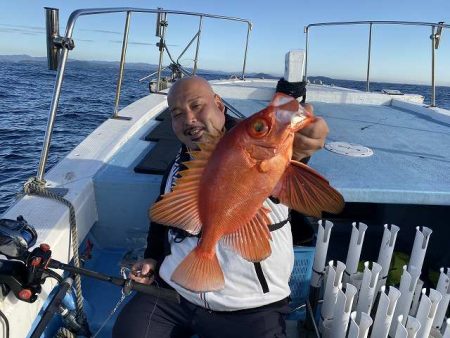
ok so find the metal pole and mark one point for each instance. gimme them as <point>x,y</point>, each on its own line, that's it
<point>433,84</point>
<point>122,63</point>
<point>305,76</point>
<point>52,114</point>
<point>368,59</point>
<point>198,45</point>
<point>52,28</point>
<point>161,48</point>
<point>246,48</point>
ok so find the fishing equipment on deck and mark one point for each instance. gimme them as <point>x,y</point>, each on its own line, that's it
<point>361,304</point>
<point>24,271</point>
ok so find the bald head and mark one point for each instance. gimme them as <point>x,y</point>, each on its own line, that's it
<point>190,82</point>
<point>195,108</point>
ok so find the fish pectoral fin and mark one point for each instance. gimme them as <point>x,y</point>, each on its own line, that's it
<point>199,272</point>
<point>251,241</point>
<point>306,191</point>
<point>179,208</point>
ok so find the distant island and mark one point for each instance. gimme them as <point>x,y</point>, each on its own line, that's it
<point>134,65</point>
<point>356,84</point>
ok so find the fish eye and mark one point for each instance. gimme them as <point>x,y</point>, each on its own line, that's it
<point>259,128</point>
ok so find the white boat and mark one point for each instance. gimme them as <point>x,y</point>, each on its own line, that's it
<point>387,154</point>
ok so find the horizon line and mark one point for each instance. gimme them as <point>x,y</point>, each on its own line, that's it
<point>233,72</point>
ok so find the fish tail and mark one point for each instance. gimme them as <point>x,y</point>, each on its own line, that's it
<point>199,272</point>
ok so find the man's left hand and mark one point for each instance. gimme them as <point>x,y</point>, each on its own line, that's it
<point>311,138</point>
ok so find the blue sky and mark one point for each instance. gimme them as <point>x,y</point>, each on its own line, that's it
<point>399,54</point>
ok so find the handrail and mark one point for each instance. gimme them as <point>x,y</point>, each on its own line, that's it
<point>435,39</point>
<point>60,46</point>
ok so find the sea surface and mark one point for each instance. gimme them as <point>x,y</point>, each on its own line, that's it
<point>87,100</point>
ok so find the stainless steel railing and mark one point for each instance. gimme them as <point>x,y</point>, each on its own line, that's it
<point>58,48</point>
<point>436,34</point>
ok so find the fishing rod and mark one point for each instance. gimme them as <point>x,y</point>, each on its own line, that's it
<point>23,271</point>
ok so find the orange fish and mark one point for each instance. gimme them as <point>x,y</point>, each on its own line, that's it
<point>223,190</point>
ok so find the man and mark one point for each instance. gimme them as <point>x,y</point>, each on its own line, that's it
<point>255,296</point>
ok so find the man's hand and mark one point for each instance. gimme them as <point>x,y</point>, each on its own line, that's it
<point>143,271</point>
<point>311,138</point>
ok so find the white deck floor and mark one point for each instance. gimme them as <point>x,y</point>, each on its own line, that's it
<point>411,161</point>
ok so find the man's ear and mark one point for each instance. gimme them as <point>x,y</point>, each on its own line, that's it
<point>219,103</point>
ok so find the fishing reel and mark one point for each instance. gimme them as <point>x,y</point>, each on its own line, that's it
<point>19,273</point>
<point>16,237</point>
<point>23,272</point>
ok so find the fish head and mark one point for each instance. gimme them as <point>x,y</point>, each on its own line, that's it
<point>272,129</point>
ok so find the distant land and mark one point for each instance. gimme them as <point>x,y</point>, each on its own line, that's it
<point>153,67</point>
<point>135,65</point>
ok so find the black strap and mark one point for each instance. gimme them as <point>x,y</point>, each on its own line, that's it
<point>294,89</point>
<point>279,225</point>
<point>261,278</point>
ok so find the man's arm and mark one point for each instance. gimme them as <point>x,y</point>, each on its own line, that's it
<point>309,139</point>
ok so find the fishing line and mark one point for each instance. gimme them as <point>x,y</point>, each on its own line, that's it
<point>151,314</point>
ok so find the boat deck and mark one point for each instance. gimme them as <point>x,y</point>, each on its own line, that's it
<point>411,157</point>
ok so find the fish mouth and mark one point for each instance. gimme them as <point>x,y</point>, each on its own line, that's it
<point>295,119</point>
<point>301,118</point>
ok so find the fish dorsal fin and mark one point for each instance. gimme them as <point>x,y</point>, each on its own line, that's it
<point>179,208</point>
<point>251,241</point>
<point>306,191</point>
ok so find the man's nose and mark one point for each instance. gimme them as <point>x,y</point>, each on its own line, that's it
<point>190,116</point>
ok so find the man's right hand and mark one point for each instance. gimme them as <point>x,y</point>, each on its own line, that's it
<point>143,271</point>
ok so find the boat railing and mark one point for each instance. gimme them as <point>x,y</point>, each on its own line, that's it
<point>436,34</point>
<point>58,48</point>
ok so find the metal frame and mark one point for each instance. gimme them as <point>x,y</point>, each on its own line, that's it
<point>435,39</point>
<point>58,50</point>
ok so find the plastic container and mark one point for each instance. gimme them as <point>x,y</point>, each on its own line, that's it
<point>300,280</point>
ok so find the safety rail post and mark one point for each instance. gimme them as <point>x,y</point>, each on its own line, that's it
<point>58,48</point>
<point>368,59</point>
<point>122,64</point>
<point>249,28</point>
<point>52,113</point>
<point>433,83</point>
<point>198,45</point>
<point>162,22</point>
<point>305,76</point>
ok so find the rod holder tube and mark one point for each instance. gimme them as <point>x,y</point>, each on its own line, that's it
<point>427,311</point>
<point>52,31</point>
<point>407,287</point>
<point>359,327</point>
<point>366,295</point>
<point>332,286</point>
<point>354,249</point>
<point>386,252</point>
<point>122,63</point>
<point>323,240</point>
<point>342,311</point>
<point>385,312</point>
<point>443,287</point>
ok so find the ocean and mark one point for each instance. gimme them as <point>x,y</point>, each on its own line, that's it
<point>87,100</point>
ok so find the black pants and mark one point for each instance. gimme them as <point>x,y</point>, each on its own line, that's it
<point>147,317</point>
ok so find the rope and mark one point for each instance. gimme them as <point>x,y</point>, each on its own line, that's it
<point>64,333</point>
<point>35,187</point>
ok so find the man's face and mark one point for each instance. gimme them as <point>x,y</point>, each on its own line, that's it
<point>195,109</point>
